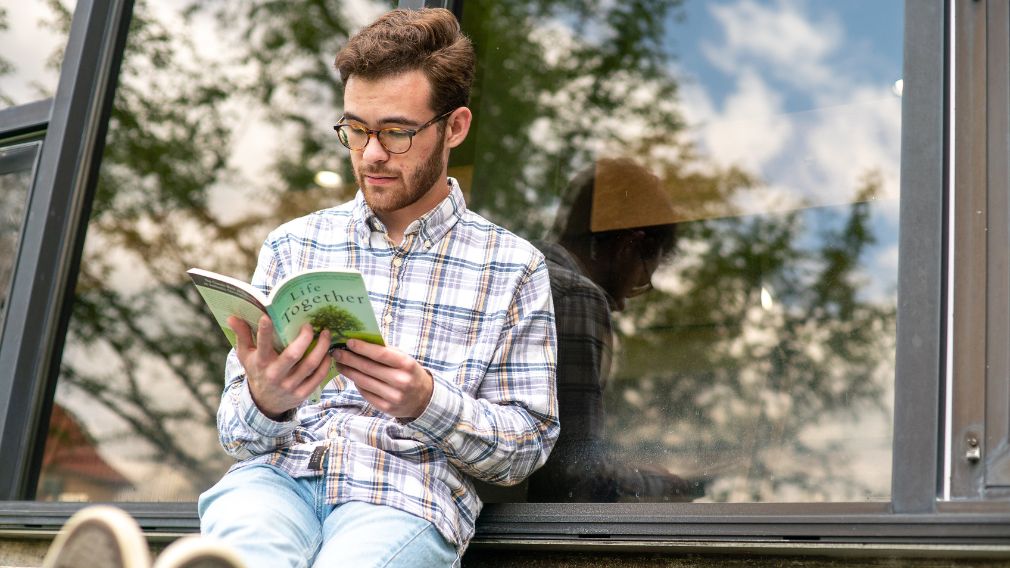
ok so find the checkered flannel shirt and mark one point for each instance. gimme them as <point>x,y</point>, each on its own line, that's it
<point>471,302</point>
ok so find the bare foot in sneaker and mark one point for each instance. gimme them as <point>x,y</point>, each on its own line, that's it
<point>99,537</point>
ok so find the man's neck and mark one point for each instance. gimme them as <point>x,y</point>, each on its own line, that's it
<point>396,222</point>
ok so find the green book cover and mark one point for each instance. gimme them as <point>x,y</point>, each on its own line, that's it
<point>325,299</point>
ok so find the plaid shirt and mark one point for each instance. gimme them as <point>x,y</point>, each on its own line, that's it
<point>471,303</point>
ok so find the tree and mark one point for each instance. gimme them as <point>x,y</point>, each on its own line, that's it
<point>336,319</point>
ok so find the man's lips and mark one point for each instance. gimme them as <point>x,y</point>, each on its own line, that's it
<point>379,179</point>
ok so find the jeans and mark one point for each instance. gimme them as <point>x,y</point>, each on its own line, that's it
<point>273,520</point>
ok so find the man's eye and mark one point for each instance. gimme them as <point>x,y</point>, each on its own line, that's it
<point>397,134</point>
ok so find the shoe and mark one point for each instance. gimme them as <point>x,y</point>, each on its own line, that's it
<point>198,552</point>
<point>99,536</point>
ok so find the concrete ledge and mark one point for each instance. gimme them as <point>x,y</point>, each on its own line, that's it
<point>28,549</point>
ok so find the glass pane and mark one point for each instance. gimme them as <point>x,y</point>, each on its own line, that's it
<point>16,166</point>
<point>715,185</point>
<point>221,123</point>
<point>33,34</point>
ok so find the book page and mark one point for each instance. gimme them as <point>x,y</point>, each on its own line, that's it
<point>225,301</point>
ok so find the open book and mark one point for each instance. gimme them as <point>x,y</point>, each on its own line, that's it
<point>325,299</point>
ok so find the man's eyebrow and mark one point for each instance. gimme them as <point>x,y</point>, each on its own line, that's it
<point>385,120</point>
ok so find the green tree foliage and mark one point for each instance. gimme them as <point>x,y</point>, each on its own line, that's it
<point>336,319</point>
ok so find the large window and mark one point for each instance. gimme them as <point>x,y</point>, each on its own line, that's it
<point>714,183</point>
<point>744,156</point>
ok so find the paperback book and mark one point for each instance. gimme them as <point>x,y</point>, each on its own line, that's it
<point>336,300</point>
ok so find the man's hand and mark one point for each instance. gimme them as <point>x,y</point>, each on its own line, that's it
<point>281,381</point>
<point>389,380</point>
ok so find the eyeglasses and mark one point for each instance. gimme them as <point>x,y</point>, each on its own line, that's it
<point>394,140</point>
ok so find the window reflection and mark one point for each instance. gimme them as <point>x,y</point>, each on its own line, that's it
<point>727,319</point>
<point>221,121</point>
<point>760,367</point>
<point>615,225</point>
<point>16,166</point>
<point>33,34</point>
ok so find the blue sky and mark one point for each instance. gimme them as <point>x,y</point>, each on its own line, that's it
<point>872,49</point>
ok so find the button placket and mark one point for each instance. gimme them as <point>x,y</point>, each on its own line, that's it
<point>396,263</point>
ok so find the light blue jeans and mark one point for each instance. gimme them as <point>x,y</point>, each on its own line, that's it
<point>273,520</point>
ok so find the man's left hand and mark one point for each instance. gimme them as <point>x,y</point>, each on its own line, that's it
<point>389,380</point>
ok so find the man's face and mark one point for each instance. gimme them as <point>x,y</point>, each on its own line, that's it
<point>408,184</point>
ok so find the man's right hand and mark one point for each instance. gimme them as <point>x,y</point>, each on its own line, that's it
<point>281,381</point>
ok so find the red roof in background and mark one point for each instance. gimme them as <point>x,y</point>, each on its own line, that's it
<point>71,451</point>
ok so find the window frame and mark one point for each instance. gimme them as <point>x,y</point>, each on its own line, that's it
<point>980,409</point>
<point>54,234</point>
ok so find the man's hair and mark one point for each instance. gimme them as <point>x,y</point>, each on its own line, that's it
<point>428,40</point>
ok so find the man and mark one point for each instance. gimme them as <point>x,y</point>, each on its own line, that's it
<point>378,472</point>
<point>615,225</point>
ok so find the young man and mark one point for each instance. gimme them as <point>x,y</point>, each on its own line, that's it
<point>378,472</point>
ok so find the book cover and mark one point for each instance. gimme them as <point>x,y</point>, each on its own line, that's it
<point>325,299</point>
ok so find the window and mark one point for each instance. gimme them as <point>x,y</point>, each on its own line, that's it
<point>16,164</point>
<point>744,157</point>
<point>204,155</point>
<point>33,34</point>
<point>736,167</point>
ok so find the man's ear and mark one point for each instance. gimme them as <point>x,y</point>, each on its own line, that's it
<point>458,125</point>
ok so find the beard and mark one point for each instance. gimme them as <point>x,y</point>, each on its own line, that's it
<point>416,184</point>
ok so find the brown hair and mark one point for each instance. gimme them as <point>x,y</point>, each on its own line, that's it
<point>428,40</point>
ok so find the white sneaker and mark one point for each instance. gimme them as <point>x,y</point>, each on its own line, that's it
<point>198,552</point>
<point>99,536</point>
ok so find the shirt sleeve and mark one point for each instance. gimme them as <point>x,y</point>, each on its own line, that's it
<point>243,430</point>
<point>507,430</point>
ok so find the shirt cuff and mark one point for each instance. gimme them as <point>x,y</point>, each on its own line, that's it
<point>442,414</point>
<point>257,421</point>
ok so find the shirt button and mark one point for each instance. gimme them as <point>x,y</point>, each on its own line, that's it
<point>397,262</point>
<point>387,319</point>
<point>427,244</point>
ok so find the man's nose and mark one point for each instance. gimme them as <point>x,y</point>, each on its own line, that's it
<point>374,151</point>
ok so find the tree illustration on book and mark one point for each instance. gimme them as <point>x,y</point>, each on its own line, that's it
<point>338,320</point>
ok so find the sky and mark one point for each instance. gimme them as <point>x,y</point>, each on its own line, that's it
<point>802,93</point>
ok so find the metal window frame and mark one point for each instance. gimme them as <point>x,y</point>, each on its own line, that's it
<point>980,409</point>
<point>912,516</point>
<point>27,120</point>
<point>52,235</point>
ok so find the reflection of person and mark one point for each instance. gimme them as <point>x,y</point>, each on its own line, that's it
<point>614,228</point>
<point>378,471</point>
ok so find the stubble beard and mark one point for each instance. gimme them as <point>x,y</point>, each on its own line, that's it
<point>415,186</point>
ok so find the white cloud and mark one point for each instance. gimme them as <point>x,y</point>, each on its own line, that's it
<point>748,130</point>
<point>778,52</point>
<point>780,35</point>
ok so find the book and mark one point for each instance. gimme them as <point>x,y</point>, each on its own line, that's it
<point>324,298</point>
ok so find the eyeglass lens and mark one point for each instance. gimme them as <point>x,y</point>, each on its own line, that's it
<point>393,140</point>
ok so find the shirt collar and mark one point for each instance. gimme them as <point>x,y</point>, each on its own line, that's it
<point>430,227</point>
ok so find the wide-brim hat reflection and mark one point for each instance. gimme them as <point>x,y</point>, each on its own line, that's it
<point>627,196</point>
